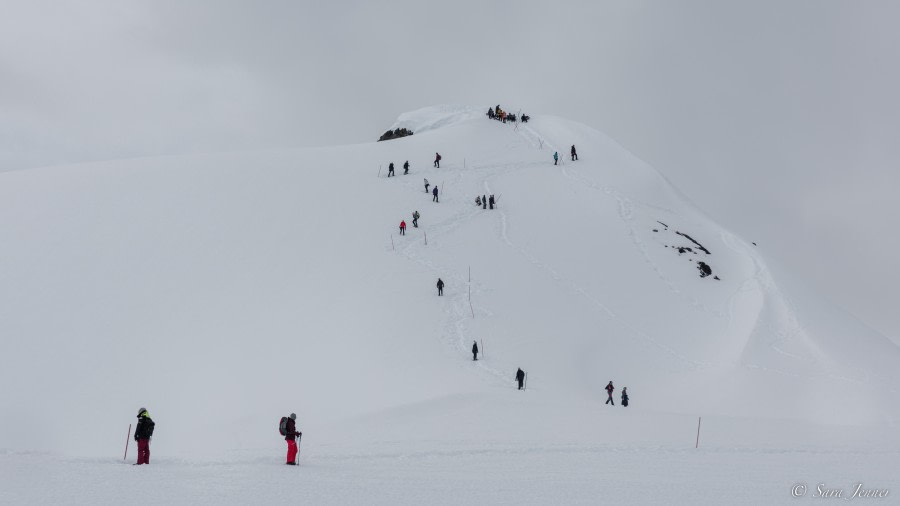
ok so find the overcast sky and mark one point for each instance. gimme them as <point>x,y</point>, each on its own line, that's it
<point>779,118</point>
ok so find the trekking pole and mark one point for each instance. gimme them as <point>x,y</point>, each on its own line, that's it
<point>525,385</point>
<point>127,438</point>
<point>392,243</point>
<point>426,237</point>
<point>379,171</point>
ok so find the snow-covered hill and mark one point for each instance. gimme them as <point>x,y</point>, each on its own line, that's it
<point>224,291</point>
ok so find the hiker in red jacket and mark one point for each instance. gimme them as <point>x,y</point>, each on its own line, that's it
<point>609,390</point>
<point>402,227</point>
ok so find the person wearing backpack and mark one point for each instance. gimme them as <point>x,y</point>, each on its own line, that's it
<point>520,377</point>
<point>437,160</point>
<point>625,397</point>
<point>434,193</point>
<point>555,157</point>
<point>440,287</point>
<point>391,169</point>
<point>288,429</point>
<point>609,390</point>
<point>406,168</point>
<point>416,219</point>
<point>574,154</point>
<point>142,434</point>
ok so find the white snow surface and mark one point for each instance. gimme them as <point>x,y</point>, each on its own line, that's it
<point>224,291</point>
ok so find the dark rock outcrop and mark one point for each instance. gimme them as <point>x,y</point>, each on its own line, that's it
<point>395,134</point>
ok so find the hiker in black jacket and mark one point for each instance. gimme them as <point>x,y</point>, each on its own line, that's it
<point>574,154</point>
<point>475,350</point>
<point>291,434</point>
<point>625,397</point>
<point>142,434</point>
<point>391,169</point>
<point>434,192</point>
<point>520,377</point>
<point>406,168</point>
<point>440,287</point>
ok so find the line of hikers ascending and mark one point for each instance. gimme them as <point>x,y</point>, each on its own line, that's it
<point>502,116</point>
<point>484,201</point>
<point>610,389</point>
<point>573,153</point>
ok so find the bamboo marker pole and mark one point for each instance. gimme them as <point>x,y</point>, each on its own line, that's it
<point>697,444</point>
<point>127,438</point>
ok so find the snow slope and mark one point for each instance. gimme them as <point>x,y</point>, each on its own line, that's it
<point>224,291</point>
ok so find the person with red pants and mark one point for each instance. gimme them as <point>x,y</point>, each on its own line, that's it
<point>142,434</point>
<point>291,435</point>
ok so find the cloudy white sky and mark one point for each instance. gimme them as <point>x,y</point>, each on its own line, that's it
<point>779,118</point>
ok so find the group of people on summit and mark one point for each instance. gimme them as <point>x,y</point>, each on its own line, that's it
<point>502,116</point>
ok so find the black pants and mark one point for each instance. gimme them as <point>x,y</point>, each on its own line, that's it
<point>574,157</point>
<point>402,231</point>
<point>416,223</point>
<point>435,199</point>
<point>610,401</point>
<point>474,355</point>
<point>484,206</point>
<point>437,164</point>
<point>405,171</point>
<point>554,161</point>
<point>390,172</point>
<point>440,291</point>
<point>426,188</point>
<point>520,384</point>
<point>492,205</point>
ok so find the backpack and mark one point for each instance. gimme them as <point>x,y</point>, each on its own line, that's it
<point>282,426</point>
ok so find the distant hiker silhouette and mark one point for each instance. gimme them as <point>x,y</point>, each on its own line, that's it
<point>391,169</point>
<point>142,434</point>
<point>478,200</point>
<point>520,377</point>
<point>609,390</point>
<point>437,160</point>
<point>474,350</point>
<point>402,227</point>
<point>426,186</point>
<point>625,397</point>
<point>574,154</point>
<point>491,202</point>
<point>555,158</point>
<point>440,287</point>
<point>406,167</point>
<point>416,219</point>
<point>434,192</point>
<point>484,201</point>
